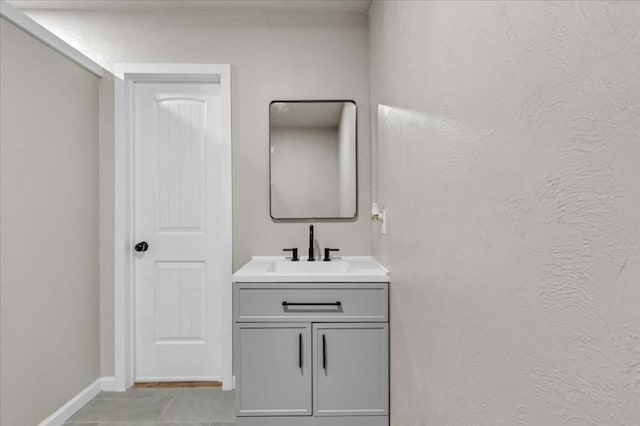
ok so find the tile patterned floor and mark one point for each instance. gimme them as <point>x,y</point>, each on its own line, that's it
<point>158,407</point>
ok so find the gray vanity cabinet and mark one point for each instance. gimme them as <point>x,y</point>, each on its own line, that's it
<point>311,354</point>
<point>273,370</point>
<point>350,374</point>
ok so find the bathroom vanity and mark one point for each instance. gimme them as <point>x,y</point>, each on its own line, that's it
<point>311,342</point>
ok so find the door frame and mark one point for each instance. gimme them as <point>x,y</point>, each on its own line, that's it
<point>127,75</point>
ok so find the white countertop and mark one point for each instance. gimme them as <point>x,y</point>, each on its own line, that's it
<point>339,269</point>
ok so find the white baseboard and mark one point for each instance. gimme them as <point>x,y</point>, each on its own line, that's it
<point>77,402</point>
<point>109,384</point>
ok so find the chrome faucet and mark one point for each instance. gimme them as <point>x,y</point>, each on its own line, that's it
<point>311,257</point>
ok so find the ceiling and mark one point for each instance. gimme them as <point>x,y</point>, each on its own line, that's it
<point>340,6</point>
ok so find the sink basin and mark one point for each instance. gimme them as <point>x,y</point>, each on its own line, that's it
<point>280,269</point>
<point>302,267</point>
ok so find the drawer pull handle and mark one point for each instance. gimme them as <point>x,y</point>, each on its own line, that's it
<point>300,350</point>
<point>285,303</point>
<point>324,352</point>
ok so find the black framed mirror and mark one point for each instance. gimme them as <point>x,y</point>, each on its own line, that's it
<point>313,160</point>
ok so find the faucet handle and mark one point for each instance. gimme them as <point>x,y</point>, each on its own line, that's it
<point>294,253</point>
<point>327,254</point>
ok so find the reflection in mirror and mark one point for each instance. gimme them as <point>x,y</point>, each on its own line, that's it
<point>313,159</point>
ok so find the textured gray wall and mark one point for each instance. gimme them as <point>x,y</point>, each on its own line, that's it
<point>508,153</point>
<point>49,349</point>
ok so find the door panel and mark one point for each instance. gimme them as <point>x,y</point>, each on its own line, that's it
<point>181,168</point>
<point>179,301</point>
<point>178,185</point>
<point>273,370</point>
<point>351,369</point>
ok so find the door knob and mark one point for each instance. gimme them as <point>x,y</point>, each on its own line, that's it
<point>141,246</point>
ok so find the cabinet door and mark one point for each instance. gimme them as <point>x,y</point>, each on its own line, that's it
<point>351,369</point>
<point>273,369</point>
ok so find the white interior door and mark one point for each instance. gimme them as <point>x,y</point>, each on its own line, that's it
<point>182,183</point>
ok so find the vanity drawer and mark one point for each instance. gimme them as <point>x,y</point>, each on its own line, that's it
<point>324,302</point>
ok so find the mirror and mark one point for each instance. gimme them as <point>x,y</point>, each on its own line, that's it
<point>313,156</point>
